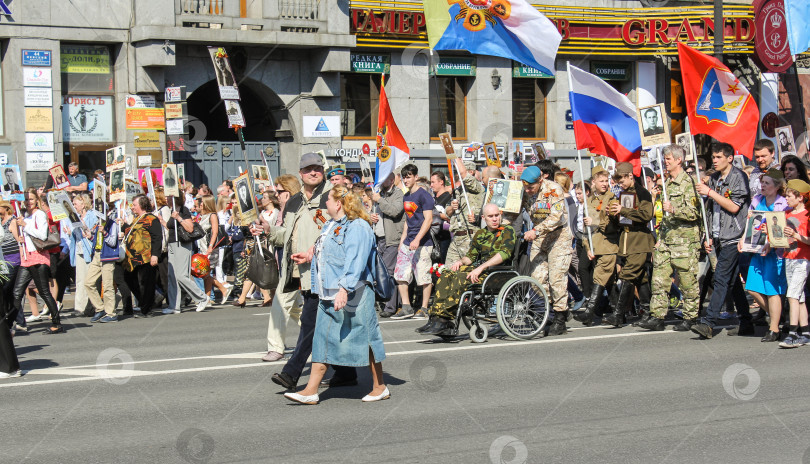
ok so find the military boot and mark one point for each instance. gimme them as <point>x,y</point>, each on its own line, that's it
<point>558,326</point>
<point>644,296</point>
<point>586,317</point>
<point>626,295</point>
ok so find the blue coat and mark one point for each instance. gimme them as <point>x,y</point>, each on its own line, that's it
<point>344,257</point>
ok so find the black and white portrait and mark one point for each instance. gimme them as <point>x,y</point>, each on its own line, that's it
<point>234,112</point>
<point>117,181</point>
<point>685,141</point>
<point>223,73</point>
<point>170,185</point>
<point>499,193</point>
<point>652,121</point>
<point>259,172</point>
<point>129,167</point>
<point>11,179</point>
<point>785,143</point>
<point>243,194</point>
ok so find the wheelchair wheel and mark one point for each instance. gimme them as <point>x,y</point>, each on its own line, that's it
<point>479,333</point>
<point>522,308</point>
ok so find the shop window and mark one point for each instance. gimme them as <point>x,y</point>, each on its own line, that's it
<point>359,103</point>
<point>452,102</point>
<point>529,108</point>
<point>86,68</point>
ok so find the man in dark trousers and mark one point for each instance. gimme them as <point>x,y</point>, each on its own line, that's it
<point>304,215</point>
<point>634,209</point>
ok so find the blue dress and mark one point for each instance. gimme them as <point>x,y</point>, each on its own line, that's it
<point>343,259</point>
<point>766,274</point>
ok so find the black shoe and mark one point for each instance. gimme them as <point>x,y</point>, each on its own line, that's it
<point>771,336</point>
<point>558,326</point>
<point>430,322</point>
<point>284,380</point>
<point>703,330</point>
<point>652,323</point>
<point>439,326</point>
<point>745,329</point>
<point>586,317</point>
<point>333,383</point>
<point>626,296</point>
<point>54,331</point>
<point>641,321</point>
<point>386,314</point>
<point>685,326</point>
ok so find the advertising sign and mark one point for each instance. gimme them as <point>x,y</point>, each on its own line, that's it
<point>38,120</point>
<point>38,161</point>
<point>36,96</point>
<point>87,119</point>
<point>37,77</point>
<point>39,141</point>
<point>85,59</point>
<point>321,126</point>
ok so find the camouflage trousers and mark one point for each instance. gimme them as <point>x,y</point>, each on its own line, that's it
<point>449,288</point>
<point>459,247</point>
<point>667,259</point>
<point>550,268</point>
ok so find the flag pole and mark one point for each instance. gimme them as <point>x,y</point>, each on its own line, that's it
<point>663,179</point>
<point>585,198</point>
<point>702,204</point>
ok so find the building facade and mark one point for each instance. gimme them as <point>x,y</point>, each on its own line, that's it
<point>75,74</point>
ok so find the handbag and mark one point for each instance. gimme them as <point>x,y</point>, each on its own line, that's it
<point>436,252</point>
<point>52,240</point>
<point>186,237</point>
<point>384,284</point>
<point>112,249</point>
<point>262,269</point>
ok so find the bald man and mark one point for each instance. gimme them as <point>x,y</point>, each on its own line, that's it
<point>491,246</point>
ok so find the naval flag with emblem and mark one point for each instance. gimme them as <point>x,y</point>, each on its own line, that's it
<point>508,28</point>
<point>392,151</point>
<point>717,103</point>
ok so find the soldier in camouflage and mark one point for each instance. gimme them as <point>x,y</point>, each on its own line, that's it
<point>464,218</point>
<point>551,251</point>
<point>491,246</point>
<point>678,246</point>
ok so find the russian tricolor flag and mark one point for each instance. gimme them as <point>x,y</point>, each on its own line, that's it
<point>605,121</point>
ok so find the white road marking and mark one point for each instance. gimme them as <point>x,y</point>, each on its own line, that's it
<point>91,373</point>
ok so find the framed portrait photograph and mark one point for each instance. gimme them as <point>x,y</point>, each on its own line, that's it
<point>57,199</point>
<point>117,184</point>
<point>181,175</point>
<point>491,153</point>
<point>115,155</point>
<point>130,167</point>
<point>365,169</point>
<point>447,144</point>
<point>171,187</point>
<point>12,181</point>
<point>226,82</point>
<point>132,189</point>
<point>785,143</point>
<point>60,180</point>
<point>775,222</point>
<point>505,194</point>
<point>755,235</point>
<point>653,125</point>
<point>686,142</point>
<point>540,152</point>
<point>260,172</point>
<point>100,196</point>
<point>234,111</point>
<point>516,154</point>
<point>627,200</point>
<point>244,195</point>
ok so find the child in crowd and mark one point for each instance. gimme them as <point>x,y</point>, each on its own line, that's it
<point>797,262</point>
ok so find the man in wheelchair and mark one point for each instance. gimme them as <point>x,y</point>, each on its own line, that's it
<point>490,246</point>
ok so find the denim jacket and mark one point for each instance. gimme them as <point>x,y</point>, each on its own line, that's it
<point>342,258</point>
<point>77,239</point>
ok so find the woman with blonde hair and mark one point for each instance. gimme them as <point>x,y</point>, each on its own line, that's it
<point>209,221</point>
<point>346,329</point>
<point>81,246</point>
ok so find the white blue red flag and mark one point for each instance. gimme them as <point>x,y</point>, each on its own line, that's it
<point>605,121</point>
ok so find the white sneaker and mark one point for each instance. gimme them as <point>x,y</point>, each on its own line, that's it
<point>44,311</point>
<point>33,318</point>
<point>382,396</point>
<point>10,375</point>
<point>202,305</point>
<point>228,290</point>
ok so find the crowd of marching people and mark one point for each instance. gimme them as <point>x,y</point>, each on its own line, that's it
<point>614,249</point>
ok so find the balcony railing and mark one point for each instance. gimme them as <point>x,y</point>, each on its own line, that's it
<point>299,9</point>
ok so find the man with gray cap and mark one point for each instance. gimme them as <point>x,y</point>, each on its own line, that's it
<point>304,215</point>
<point>464,218</point>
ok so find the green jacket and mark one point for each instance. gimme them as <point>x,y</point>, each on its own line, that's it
<point>683,224</point>
<point>604,228</point>
<point>636,236</point>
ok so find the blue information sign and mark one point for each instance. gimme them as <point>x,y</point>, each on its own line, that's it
<point>36,57</point>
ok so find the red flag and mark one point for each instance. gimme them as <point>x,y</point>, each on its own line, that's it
<point>717,103</point>
<point>392,150</point>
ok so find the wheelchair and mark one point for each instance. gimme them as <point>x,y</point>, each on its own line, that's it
<point>516,304</point>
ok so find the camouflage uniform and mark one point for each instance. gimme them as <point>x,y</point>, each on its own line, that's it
<point>463,229</point>
<point>551,251</point>
<point>605,235</point>
<point>678,249</point>
<point>485,245</point>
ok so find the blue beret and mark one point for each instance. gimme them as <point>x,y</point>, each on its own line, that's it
<point>531,174</point>
<point>338,171</point>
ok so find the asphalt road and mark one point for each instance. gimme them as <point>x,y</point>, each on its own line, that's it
<point>191,388</point>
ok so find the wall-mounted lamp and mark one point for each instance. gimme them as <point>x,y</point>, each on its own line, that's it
<point>496,79</point>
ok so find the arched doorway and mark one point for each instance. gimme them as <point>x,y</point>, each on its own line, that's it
<point>217,154</point>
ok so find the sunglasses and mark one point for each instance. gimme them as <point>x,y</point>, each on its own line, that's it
<point>309,169</point>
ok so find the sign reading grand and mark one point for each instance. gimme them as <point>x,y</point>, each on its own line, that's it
<point>87,119</point>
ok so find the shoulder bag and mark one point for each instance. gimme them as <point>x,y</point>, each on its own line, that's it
<point>262,268</point>
<point>52,240</point>
<point>384,284</point>
<point>187,237</point>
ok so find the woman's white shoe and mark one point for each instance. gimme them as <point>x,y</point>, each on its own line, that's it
<point>303,399</point>
<point>33,318</point>
<point>382,396</point>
